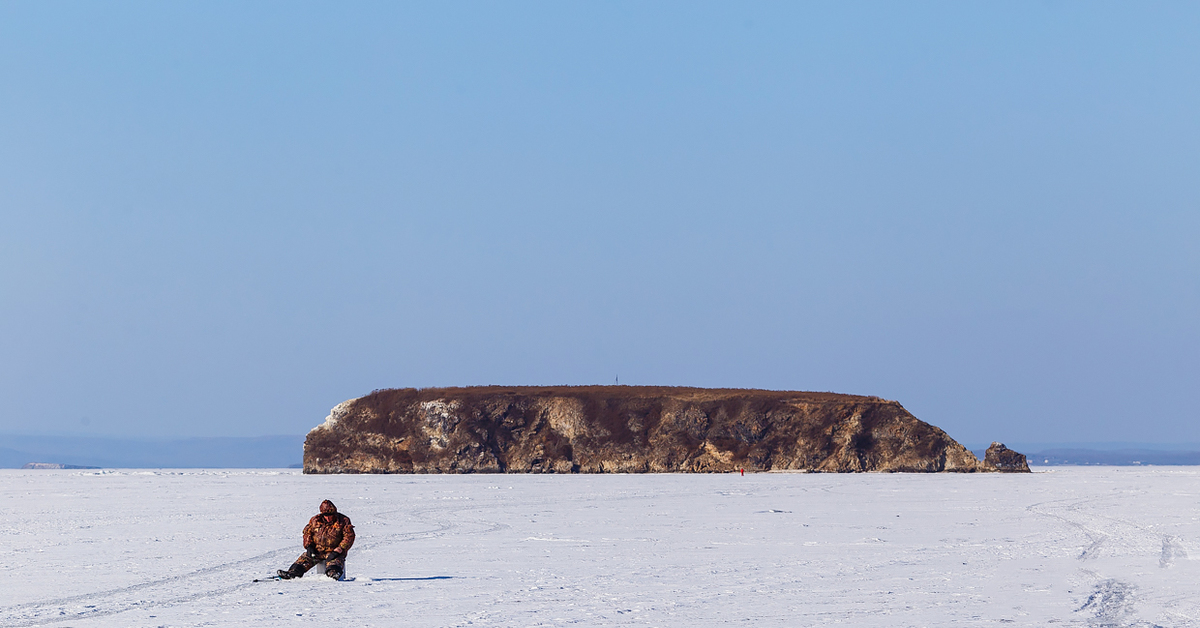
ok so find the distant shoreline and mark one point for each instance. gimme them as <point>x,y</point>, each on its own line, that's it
<point>254,452</point>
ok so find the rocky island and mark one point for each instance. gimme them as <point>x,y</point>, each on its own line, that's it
<point>632,429</point>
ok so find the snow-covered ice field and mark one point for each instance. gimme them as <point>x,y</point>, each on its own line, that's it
<point>1065,546</point>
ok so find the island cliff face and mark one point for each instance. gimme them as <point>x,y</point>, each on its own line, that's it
<point>625,429</point>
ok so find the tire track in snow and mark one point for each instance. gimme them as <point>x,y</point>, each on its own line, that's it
<point>1134,536</point>
<point>1122,532</point>
<point>1112,601</point>
<point>119,600</point>
<point>145,585</point>
<point>1095,538</point>
<point>35,613</point>
<point>56,610</point>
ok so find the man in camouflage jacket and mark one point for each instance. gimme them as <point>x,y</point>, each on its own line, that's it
<point>327,537</point>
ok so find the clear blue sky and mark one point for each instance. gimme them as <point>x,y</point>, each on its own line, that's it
<point>225,218</point>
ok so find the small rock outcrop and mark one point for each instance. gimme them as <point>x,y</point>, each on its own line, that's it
<point>625,429</point>
<point>1001,458</point>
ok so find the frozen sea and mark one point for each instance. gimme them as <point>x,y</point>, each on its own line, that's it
<point>1082,546</point>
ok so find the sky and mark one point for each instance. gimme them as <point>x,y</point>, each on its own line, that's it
<point>224,218</point>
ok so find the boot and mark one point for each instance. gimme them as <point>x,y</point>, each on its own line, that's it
<point>334,572</point>
<point>295,571</point>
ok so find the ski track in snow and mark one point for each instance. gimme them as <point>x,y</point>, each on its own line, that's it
<point>1091,547</point>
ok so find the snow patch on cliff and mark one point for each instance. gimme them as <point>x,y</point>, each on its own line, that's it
<point>440,417</point>
<point>336,414</point>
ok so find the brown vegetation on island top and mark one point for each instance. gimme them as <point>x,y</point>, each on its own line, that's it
<point>631,429</point>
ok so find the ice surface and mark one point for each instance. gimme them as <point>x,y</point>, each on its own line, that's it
<point>1091,546</point>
